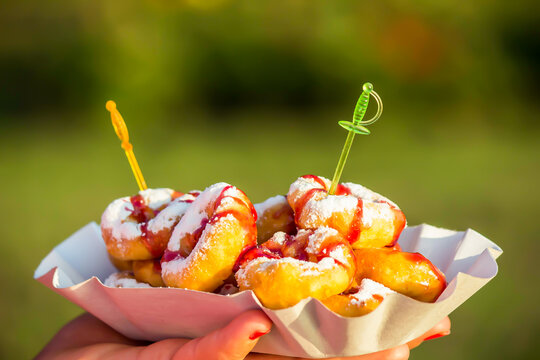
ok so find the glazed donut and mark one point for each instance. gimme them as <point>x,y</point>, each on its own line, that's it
<point>359,300</point>
<point>363,217</point>
<point>124,279</point>
<point>410,274</point>
<point>205,244</point>
<point>148,271</point>
<point>139,227</point>
<point>273,215</point>
<point>286,269</point>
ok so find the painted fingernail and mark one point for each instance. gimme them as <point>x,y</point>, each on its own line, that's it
<point>437,336</point>
<point>258,334</point>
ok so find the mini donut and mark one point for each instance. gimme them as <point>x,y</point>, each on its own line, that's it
<point>139,227</point>
<point>363,217</point>
<point>359,300</point>
<point>410,274</point>
<point>273,215</point>
<point>124,279</point>
<point>286,269</point>
<point>205,244</point>
<point>121,265</point>
<point>148,271</point>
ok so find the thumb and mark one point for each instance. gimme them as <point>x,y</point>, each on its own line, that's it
<point>235,341</point>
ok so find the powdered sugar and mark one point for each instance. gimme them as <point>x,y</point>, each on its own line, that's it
<point>279,238</point>
<point>316,269</point>
<point>168,216</point>
<point>116,219</point>
<point>195,215</point>
<point>124,280</point>
<point>316,210</point>
<point>198,255</point>
<point>263,264</point>
<point>316,239</point>
<point>372,211</point>
<point>269,203</point>
<point>339,253</point>
<point>369,288</point>
<point>302,185</point>
<point>364,193</point>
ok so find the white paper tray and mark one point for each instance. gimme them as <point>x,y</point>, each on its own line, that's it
<point>77,267</point>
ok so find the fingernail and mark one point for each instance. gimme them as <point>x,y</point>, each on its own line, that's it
<point>437,335</point>
<point>258,334</point>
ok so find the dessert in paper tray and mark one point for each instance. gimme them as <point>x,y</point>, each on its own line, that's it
<point>339,275</point>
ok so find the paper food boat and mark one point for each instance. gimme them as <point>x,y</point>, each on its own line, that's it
<point>77,267</point>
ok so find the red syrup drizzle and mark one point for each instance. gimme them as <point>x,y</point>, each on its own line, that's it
<point>142,213</point>
<point>356,224</point>
<point>316,179</point>
<point>249,226</point>
<point>327,249</point>
<point>253,252</point>
<point>343,190</point>
<point>169,255</point>
<point>295,248</point>
<point>302,202</point>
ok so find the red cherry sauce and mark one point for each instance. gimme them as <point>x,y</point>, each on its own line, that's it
<point>317,179</point>
<point>190,240</point>
<point>142,213</point>
<point>251,253</point>
<point>343,190</point>
<point>299,206</point>
<point>295,247</point>
<point>169,256</point>
<point>246,221</point>
<point>356,225</point>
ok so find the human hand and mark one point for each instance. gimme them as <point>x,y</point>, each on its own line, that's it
<point>89,338</point>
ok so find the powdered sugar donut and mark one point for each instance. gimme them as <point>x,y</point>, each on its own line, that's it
<point>363,217</point>
<point>410,274</point>
<point>124,279</point>
<point>358,300</point>
<point>207,241</point>
<point>286,269</point>
<point>273,215</point>
<point>139,227</point>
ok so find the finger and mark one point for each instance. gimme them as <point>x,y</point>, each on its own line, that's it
<point>161,350</point>
<point>233,342</point>
<point>441,329</point>
<point>398,353</point>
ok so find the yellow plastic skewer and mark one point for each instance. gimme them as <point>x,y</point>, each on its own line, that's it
<point>121,131</point>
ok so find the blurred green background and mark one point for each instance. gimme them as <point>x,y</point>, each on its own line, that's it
<point>249,92</point>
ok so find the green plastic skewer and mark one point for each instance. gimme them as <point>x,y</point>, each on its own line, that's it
<point>357,126</point>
